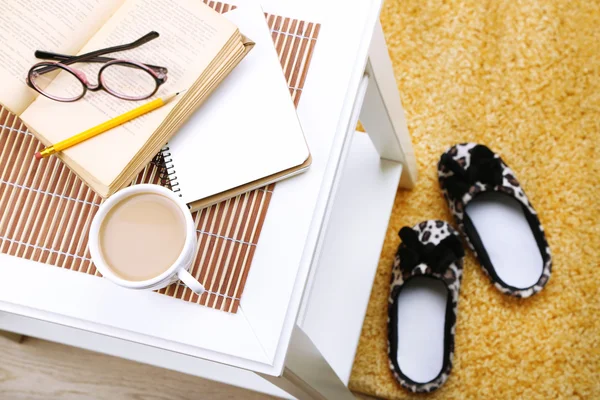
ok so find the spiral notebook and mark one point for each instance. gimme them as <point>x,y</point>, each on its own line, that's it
<point>247,134</point>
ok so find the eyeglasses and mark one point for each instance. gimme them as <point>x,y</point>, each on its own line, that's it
<point>127,80</point>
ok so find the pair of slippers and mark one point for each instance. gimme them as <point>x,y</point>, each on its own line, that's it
<point>501,228</point>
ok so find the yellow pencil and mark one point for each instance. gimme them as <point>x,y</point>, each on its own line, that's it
<point>90,133</point>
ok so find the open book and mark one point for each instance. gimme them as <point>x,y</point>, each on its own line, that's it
<point>198,46</point>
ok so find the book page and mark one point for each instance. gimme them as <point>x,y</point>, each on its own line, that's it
<point>252,109</point>
<point>59,26</point>
<point>191,36</point>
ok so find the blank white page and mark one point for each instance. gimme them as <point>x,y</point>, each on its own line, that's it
<point>247,129</point>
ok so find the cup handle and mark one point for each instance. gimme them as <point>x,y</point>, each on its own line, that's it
<point>190,281</point>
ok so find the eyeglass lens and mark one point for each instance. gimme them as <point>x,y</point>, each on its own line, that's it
<point>128,81</point>
<point>64,87</point>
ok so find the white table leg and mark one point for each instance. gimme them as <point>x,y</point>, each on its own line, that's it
<point>307,375</point>
<point>382,114</point>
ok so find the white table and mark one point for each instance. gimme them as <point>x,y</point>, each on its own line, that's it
<point>317,254</point>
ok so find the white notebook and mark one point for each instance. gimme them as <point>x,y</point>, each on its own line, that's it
<point>247,134</point>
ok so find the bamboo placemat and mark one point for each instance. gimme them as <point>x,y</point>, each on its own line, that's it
<point>46,211</point>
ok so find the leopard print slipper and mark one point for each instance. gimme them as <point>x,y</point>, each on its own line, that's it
<point>496,218</point>
<point>422,306</point>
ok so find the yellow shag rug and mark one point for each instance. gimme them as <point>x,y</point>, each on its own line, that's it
<point>522,77</point>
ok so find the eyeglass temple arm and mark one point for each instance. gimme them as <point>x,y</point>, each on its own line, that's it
<point>47,55</point>
<point>93,54</point>
<point>122,47</point>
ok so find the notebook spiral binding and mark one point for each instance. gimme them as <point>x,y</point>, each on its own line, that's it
<point>166,170</point>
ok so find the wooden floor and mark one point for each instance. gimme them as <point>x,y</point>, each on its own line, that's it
<point>37,369</point>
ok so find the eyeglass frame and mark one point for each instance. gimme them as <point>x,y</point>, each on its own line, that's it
<point>157,72</point>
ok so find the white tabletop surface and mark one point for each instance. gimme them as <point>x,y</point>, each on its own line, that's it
<point>257,337</point>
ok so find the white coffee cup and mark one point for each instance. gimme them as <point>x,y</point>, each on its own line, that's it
<point>181,266</point>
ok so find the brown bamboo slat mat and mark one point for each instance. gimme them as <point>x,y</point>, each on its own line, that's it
<point>46,211</point>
